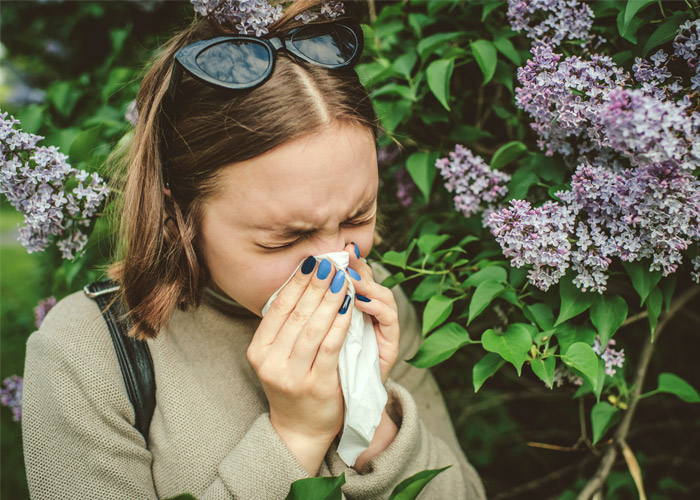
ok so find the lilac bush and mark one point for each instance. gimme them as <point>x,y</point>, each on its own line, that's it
<point>11,396</point>
<point>35,181</point>
<point>550,22</point>
<point>42,309</point>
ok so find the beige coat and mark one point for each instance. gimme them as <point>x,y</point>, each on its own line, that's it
<point>210,434</point>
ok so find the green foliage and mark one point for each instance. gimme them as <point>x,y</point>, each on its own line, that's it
<point>410,488</point>
<point>608,312</point>
<point>603,415</point>
<point>440,345</point>
<point>317,488</point>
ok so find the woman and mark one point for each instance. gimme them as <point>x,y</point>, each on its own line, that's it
<point>227,191</point>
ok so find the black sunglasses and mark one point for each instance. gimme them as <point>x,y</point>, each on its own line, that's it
<point>245,61</point>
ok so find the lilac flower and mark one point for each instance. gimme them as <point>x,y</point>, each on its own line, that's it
<point>11,396</point>
<point>686,43</point>
<point>475,184</point>
<point>42,309</point>
<point>551,21</point>
<point>132,113</point>
<point>611,357</point>
<point>34,180</point>
<point>248,16</point>
<point>404,187</point>
<point>328,10</point>
<point>387,154</point>
<point>537,237</point>
<point>695,274</point>
<point>563,375</point>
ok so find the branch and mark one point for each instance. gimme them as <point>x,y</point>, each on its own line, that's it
<point>595,484</point>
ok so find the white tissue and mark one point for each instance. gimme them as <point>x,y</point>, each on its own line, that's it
<point>358,369</point>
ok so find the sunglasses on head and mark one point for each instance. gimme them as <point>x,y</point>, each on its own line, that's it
<point>245,61</point>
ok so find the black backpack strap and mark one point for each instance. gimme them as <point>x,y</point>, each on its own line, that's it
<point>134,356</point>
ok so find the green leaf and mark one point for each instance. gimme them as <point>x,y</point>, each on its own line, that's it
<point>491,273</point>
<point>63,96</point>
<point>421,167</point>
<point>429,242</point>
<point>30,118</point>
<point>440,345</point>
<point>488,8</point>
<point>429,44</point>
<point>486,57</point>
<point>608,312</point>
<point>666,31</point>
<point>581,358</point>
<point>84,145</point>
<point>602,417</point>
<point>391,113</point>
<point>439,74</point>
<point>505,47</point>
<point>667,287</point>
<point>633,6</point>
<point>544,369</point>
<point>507,153</point>
<point>573,301</point>
<point>567,335</point>
<point>394,279</point>
<point>373,72</point>
<point>436,311</point>
<point>395,258</point>
<point>318,488</point>
<point>429,286</point>
<point>405,63</point>
<point>485,368</point>
<point>654,303</point>
<point>182,496</point>
<point>542,315</point>
<point>673,384</point>
<point>410,488</point>
<point>643,280</point>
<point>521,181</point>
<point>483,295</point>
<point>513,345</point>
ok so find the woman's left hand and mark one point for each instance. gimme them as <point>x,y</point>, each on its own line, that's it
<point>383,310</point>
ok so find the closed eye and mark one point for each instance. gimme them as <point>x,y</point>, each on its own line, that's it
<point>292,243</point>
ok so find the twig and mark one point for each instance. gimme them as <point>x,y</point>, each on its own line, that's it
<point>634,318</point>
<point>595,484</point>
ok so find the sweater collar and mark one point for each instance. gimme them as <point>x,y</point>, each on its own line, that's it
<point>224,303</point>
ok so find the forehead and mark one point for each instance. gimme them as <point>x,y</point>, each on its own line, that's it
<point>308,179</point>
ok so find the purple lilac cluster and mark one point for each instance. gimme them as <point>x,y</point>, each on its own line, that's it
<point>253,16</point>
<point>132,113</point>
<point>42,309</point>
<point>563,96</point>
<point>563,375</point>
<point>476,185</point>
<point>404,187</point>
<point>634,194</point>
<point>611,357</point>
<point>34,179</point>
<point>11,396</point>
<point>685,45</point>
<point>537,237</point>
<point>248,16</point>
<point>549,22</point>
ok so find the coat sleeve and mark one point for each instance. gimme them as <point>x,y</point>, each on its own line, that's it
<point>426,437</point>
<point>78,423</point>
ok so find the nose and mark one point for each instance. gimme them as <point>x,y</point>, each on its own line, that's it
<point>334,242</point>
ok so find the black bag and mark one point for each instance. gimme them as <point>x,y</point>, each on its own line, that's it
<point>134,356</point>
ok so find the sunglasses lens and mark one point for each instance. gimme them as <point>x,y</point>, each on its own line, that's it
<point>327,44</point>
<point>235,61</point>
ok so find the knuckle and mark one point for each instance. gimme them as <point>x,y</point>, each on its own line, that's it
<point>327,348</point>
<point>280,305</point>
<point>309,333</point>
<point>299,317</point>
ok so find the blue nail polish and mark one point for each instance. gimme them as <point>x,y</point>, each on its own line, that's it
<point>362,298</point>
<point>344,307</point>
<point>357,250</point>
<point>353,274</point>
<point>324,269</point>
<point>308,265</point>
<point>337,282</point>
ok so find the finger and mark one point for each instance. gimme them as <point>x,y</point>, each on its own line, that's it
<point>384,314</point>
<point>284,304</point>
<point>325,363</point>
<point>305,308</point>
<point>317,328</point>
<point>365,285</point>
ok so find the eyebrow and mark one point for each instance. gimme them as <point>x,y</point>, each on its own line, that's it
<point>297,230</point>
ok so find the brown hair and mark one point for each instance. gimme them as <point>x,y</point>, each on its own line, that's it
<point>159,265</point>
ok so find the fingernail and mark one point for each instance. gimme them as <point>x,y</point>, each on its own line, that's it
<point>324,269</point>
<point>337,282</point>
<point>344,307</point>
<point>362,298</point>
<point>357,250</point>
<point>354,274</point>
<point>308,265</point>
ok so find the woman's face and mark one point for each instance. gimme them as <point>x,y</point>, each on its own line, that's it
<point>306,197</point>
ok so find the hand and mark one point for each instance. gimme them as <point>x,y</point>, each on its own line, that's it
<point>383,309</point>
<point>294,353</point>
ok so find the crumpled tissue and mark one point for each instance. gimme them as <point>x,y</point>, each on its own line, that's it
<point>358,369</point>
